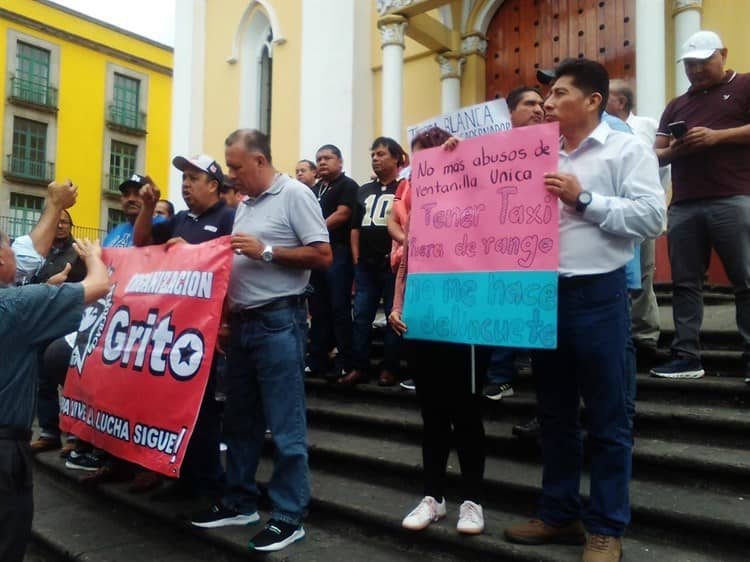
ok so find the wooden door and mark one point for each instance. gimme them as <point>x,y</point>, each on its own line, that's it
<point>526,35</point>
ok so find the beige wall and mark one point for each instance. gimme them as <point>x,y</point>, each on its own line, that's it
<point>222,80</point>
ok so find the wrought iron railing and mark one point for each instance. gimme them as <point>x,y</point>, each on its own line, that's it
<point>29,168</point>
<point>15,227</point>
<point>122,117</point>
<point>36,93</point>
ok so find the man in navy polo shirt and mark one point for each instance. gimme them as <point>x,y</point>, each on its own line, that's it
<point>710,204</point>
<point>207,217</point>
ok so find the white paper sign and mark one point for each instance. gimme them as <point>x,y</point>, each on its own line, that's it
<point>473,121</point>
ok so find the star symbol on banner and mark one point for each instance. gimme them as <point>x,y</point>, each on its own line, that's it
<point>186,353</point>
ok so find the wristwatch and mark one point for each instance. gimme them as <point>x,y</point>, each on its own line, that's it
<point>267,255</point>
<point>583,200</point>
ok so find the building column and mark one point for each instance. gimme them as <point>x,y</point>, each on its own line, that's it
<point>339,112</point>
<point>687,20</point>
<point>450,80</point>
<point>392,30</point>
<point>187,90</point>
<point>650,58</point>
<point>474,83</point>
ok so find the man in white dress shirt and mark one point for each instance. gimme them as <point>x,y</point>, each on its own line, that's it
<point>609,199</point>
<point>645,311</point>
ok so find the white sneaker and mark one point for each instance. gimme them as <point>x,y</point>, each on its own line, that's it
<point>470,519</point>
<point>426,512</point>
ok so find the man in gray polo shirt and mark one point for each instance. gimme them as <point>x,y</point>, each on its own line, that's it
<point>279,235</point>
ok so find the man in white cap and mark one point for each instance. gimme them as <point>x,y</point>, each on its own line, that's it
<point>705,135</point>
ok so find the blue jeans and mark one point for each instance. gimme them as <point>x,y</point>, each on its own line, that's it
<point>631,369</point>
<point>265,389</point>
<point>589,362</point>
<point>331,312</point>
<point>371,285</point>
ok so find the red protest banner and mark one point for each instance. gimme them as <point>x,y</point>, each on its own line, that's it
<point>143,352</point>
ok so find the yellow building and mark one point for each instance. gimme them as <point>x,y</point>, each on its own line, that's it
<point>345,71</point>
<point>83,100</point>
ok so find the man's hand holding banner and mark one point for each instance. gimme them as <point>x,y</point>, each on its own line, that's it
<point>143,353</point>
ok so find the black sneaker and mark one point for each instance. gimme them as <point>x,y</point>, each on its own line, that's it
<point>276,535</point>
<point>408,384</point>
<point>680,368</point>
<point>528,430</point>
<point>90,462</point>
<point>220,516</point>
<point>497,391</point>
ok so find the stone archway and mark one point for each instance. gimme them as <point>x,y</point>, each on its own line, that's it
<point>525,35</point>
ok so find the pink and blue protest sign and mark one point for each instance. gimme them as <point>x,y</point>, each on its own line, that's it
<point>483,241</point>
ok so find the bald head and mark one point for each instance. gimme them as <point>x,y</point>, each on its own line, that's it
<point>248,156</point>
<point>620,102</point>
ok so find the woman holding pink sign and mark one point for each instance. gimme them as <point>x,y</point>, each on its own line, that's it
<point>445,376</point>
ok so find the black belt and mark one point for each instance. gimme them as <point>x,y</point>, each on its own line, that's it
<point>580,280</point>
<point>14,434</point>
<point>277,304</point>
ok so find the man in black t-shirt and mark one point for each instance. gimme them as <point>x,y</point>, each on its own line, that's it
<point>371,248</point>
<point>330,302</point>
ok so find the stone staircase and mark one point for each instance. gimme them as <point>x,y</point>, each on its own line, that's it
<point>690,492</point>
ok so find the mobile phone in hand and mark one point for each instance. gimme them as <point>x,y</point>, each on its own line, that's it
<point>678,129</point>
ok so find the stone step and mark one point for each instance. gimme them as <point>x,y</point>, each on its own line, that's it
<point>712,296</point>
<point>78,524</point>
<point>663,515</point>
<point>709,338</point>
<point>725,426</point>
<point>711,390</point>
<point>720,355</point>
<point>353,516</point>
<point>105,523</point>
<point>689,464</point>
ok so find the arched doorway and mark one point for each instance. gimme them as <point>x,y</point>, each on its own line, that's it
<point>525,35</point>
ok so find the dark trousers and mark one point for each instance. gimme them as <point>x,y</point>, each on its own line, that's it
<point>52,374</point>
<point>331,311</point>
<point>16,499</point>
<point>694,228</point>
<point>589,362</point>
<point>371,285</point>
<point>451,414</point>
<point>502,367</point>
<point>201,467</point>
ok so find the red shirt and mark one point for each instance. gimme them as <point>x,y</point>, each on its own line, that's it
<point>718,171</point>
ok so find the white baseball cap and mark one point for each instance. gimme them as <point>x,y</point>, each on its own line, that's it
<point>700,45</point>
<point>201,162</point>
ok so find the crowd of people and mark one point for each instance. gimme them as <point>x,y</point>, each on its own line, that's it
<point>324,253</point>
